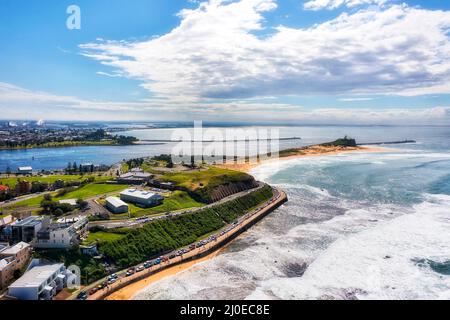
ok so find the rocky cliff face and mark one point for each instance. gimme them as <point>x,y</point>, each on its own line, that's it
<point>212,194</point>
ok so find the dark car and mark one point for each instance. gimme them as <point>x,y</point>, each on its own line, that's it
<point>82,296</point>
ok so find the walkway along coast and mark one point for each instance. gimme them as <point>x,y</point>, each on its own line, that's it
<point>233,231</point>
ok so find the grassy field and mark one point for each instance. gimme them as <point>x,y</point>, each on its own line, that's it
<point>177,200</point>
<point>211,176</point>
<point>88,191</point>
<point>11,182</point>
<point>102,237</point>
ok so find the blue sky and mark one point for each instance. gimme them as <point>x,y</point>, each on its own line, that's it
<point>308,61</point>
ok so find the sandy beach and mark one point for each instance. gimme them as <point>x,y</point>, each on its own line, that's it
<point>128,292</point>
<point>313,151</point>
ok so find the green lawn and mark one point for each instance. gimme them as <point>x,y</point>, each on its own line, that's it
<point>177,200</point>
<point>211,176</point>
<point>11,182</point>
<point>102,237</point>
<point>88,191</point>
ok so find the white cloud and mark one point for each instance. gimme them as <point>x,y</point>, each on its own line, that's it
<point>334,4</point>
<point>214,53</point>
<point>19,103</point>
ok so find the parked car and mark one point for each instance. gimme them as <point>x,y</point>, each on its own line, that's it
<point>82,296</point>
<point>140,269</point>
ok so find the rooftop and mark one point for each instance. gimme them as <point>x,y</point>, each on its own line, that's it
<point>116,202</point>
<point>29,222</point>
<point>139,194</point>
<point>36,276</point>
<point>25,168</point>
<point>14,249</point>
<point>72,202</point>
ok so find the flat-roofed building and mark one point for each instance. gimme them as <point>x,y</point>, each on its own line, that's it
<point>142,198</point>
<point>72,202</point>
<point>61,235</point>
<point>26,230</point>
<point>25,170</point>
<point>134,178</point>
<point>115,205</point>
<point>41,282</point>
<point>12,259</point>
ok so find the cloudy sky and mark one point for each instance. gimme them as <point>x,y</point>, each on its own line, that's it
<point>310,61</point>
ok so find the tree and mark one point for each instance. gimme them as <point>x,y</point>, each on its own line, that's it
<point>58,212</point>
<point>82,204</point>
<point>8,170</point>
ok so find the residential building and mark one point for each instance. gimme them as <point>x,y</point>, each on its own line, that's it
<point>115,205</point>
<point>26,230</point>
<point>4,189</point>
<point>25,170</point>
<point>141,198</point>
<point>41,282</point>
<point>12,259</point>
<point>61,235</point>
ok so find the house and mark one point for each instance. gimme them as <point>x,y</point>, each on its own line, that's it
<point>61,235</point>
<point>12,259</point>
<point>4,189</point>
<point>25,170</point>
<point>141,198</point>
<point>41,282</point>
<point>115,205</point>
<point>26,230</point>
<point>134,178</point>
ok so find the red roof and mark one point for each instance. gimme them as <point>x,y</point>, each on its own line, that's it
<point>4,188</point>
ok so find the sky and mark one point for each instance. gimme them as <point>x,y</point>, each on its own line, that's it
<point>293,61</point>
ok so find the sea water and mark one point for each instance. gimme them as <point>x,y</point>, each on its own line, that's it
<point>357,226</point>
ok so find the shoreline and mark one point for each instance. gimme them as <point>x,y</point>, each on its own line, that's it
<point>127,289</point>
<point>131,290</point>
<point>313,151</point>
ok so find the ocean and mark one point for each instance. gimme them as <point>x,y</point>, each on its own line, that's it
<point>357,226</point>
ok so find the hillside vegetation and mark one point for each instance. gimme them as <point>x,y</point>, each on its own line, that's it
<point>210,184</point>
<point>163,236</point>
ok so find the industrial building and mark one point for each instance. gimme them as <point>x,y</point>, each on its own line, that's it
<point>25,170</point>
<point>115,205</point>
<point>141,198</point>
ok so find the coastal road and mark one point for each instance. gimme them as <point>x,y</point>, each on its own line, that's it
<point>203,248</point>
<point>129,223</point>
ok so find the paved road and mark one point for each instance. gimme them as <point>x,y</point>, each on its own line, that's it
<point>212,243</point>
<point>112,224</point>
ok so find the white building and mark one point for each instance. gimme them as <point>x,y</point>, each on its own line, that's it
<point>25,170</point>
<point>115,205</point>
<point>72,202</point>
<point>141,198</point>
<point>41,282</point>
<point>61,236</point>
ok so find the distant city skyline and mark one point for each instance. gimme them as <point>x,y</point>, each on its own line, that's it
<point>293,61</point>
